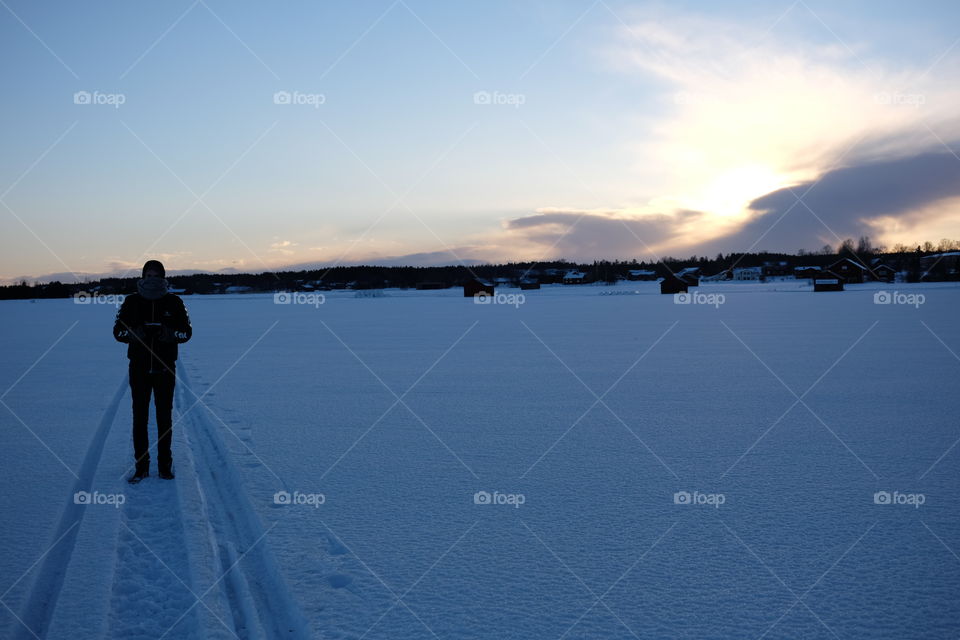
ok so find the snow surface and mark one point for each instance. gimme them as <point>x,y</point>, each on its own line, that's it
<point>591,409</point>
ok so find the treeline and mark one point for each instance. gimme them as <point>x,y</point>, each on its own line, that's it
<point>913,262</point>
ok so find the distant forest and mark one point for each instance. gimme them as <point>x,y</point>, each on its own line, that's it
<point>926,262</point>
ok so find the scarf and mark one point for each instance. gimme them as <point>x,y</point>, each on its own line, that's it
<point>152,288</point>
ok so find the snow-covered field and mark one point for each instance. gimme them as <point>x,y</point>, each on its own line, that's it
<point>766,462</point>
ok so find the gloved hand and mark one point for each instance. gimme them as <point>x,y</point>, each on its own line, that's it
<point>167,335</point>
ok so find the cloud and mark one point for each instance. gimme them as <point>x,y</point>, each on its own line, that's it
<point>737,113</point>
<point>590,234</point>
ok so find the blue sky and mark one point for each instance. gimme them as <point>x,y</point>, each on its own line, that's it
<point>444,132</point>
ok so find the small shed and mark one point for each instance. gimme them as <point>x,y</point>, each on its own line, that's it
<point>528,285</point>
<point>690,275</point>
<point>827,281</point>
<point>672,284</point>
<point>476,286</point>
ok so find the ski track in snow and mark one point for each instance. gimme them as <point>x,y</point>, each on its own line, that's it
<point>48,582</point>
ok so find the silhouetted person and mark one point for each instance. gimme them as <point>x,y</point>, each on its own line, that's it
<point>152,322</point>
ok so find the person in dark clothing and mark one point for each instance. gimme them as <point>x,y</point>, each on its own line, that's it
<point>152,322</point>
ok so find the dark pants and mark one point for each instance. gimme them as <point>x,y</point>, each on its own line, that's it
<point>161,383</point>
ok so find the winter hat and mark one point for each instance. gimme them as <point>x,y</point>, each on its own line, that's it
<point>156,265</point>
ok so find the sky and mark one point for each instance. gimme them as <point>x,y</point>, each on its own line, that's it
<point>250,136</point>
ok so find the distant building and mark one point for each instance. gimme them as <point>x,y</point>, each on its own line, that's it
<point>776,269</point>
<point>827,281</point>
<point>641,274</point>
<point>528,284</point>
<point>672,284</point>
<point>748,273</point>
<point>574,277</point>
<point>476,286</point>
<point>850,271</point>
<point>885,273</point>
<point>690,275</point>
<point>801,273</point>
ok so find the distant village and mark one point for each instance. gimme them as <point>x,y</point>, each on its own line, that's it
<point>827,270</point>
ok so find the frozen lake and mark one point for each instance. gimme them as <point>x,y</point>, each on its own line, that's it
<point>594,462</point>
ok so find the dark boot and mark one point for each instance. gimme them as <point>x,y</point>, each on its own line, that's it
<point>141,472</point>
<point>166,472</point>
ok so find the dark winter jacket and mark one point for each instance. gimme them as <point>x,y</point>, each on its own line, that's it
<point>152,345</point>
